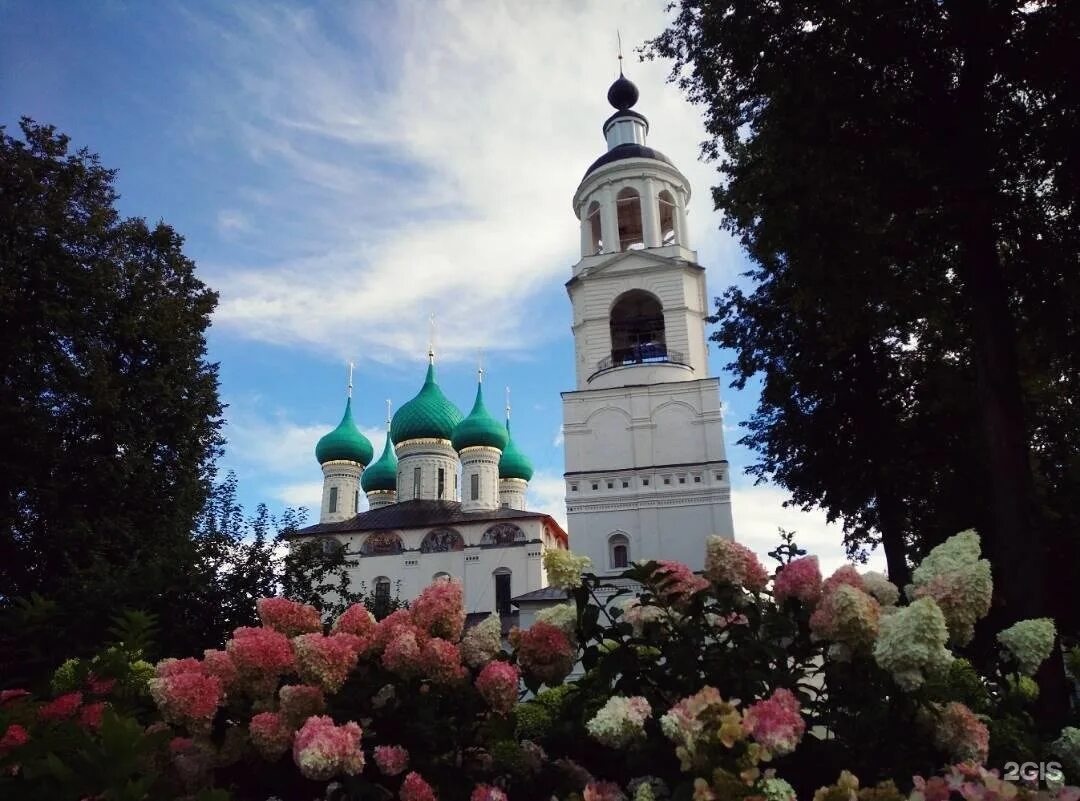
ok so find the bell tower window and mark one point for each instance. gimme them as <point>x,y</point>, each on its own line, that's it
<point>628,207</point>
<point>667,218</point>
<point>637,329</point>
<point>333,500</point>
<point>593,229</point>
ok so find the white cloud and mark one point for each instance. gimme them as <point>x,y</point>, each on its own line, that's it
<point>304,493</point>
<point>547,493</point>
<point>759,511</point>
<point>426,161</point>
<point>230,221</point>
<point>559,438</point>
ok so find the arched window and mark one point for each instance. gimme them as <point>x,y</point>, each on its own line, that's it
<point>440,576</point>
<point>637,329</point>
<point>332,505</point>
<point>593,227</point>
<point>441,540</point>
<point>380,543</point>
<point>502,578</point>
<point>331,547</point>
<point>667,218</point>
<point>631,233</point>
<point>382,589</point>
<point>618,551</point>
<point>503,534</point>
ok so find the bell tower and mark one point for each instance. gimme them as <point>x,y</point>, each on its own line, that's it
<point>646,470</point>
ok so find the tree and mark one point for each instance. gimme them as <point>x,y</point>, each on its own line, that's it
<point>904,178</point>
<point>109,409</point>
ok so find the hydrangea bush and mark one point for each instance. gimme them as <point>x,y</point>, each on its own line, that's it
<point>659,685</point>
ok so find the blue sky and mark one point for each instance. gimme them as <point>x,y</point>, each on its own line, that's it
<point>341,171</point>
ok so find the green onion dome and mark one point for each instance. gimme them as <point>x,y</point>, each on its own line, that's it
<point>430,415</point>
<point>345,443</point>
<point>479,428</point>
<point>514,463</point>
<point>383,474</point>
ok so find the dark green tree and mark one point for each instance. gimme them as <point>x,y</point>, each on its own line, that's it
<point>109,410</point>
<point>903,175</point>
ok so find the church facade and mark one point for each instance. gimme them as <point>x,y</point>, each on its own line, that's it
<point>646,474</point>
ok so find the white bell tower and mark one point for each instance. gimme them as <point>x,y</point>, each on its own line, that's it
<point>646,471</point>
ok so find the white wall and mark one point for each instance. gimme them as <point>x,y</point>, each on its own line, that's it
<point>345,477</point>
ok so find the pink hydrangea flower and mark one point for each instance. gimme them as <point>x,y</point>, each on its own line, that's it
<point>676,582</point>
<point>402,652</point>
<point>355,620</point>
<point>487,792</point>
<point>260,656</point>
<point>388,628</point>
<point>61,708</point>
<point>731,563</point>
<point>440,610</point>
<point>441,662</point>
<point>603,791</point>
<point>99,686</point>
<point>326,661</point>
<point>220,664</point>
<point>846,575</point>
<point>176,667</point>
<point>90,715</point>
<point>12,695</point>
<point>288,617</point>
<point>962,735</point>
<point>775,722</point>
<point>391,759</point>
<point>498,685</point>
<point>271,735</point>
<point>799,579</point>
<point>545,652</point>
<point>188,699</point>
<point>15,736</point>
<point>298,702</point>
<point>322,750</point>
<point>414,788</point>
<point>849,617</point>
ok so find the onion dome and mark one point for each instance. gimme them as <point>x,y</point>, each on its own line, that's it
<point>430,415</point>
<point>383,474</point>
<point>622,94</point>
<point>345,443</point>
<point>479,428</point>
<point>514,463</point>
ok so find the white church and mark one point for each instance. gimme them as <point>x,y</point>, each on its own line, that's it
<point>646,472</point>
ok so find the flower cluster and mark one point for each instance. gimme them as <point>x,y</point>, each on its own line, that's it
<point>620,722</point>
<point>322,750</point>
<point>220,664</point>
<point>414,788</point>
<point>14,737</point>
<point>730,563</point>
<point>487,792</point>
<point>326,660</point>
<point>603,791</point>
<point>391,759</point>
<point>271,735</point>
<point>61,708</point>
<point>959,581</point>
<point>911,643</point>
<point>676,583</point>
<point>1067,746</point>
<point>482,642</point>
<point>847,617</point>
<point>545,652</point>
<point>961,735</point>
<point>1030,642</point>
<point>878,585</point>
<point>440,662</point>
<point>639,615</point>
<point>355,620</point>
<point>289,617</point>
<point>799,579</point>
<point>699,724</point>
<point>260,656</point>
<point>498,685</point>
<point>564,568</point>
<point>402,652</point>
<point>188,699</point>
<point>775,722</point>
<point>440,610</point>
<point>298,702</point>
<point>562,617</point>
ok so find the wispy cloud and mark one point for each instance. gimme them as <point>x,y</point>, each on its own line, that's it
<point>547,493</point>
<point>429,156</point>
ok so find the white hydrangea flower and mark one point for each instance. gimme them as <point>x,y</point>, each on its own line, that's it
<point>564,568</point>
<point>561,616</point>
<point>911,643</point>
<point>620,722</point>
<point>482,642</point>
<point>879,586</point>
<point>1030,642</point>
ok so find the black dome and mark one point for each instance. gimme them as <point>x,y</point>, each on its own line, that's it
<point>622,94</point>
<point>627,151</point>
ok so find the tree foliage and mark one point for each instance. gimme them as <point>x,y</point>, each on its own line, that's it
<point>903,176</point>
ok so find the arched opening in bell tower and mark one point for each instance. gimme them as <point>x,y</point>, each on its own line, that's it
<point>631,231</point>
<point>593,229</point>
<point>667,217</point>
<point>637,329</point>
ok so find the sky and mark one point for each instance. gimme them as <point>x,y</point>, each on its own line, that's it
<point>342,171</point>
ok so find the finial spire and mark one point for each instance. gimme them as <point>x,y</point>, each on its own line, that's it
<point>508,403</point>
<point>388,416</point>
<point>618,36</point>
<point>348,388</point>
<point>431,338</point>
<point>480,368</point>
